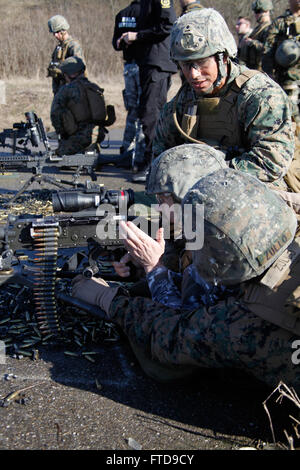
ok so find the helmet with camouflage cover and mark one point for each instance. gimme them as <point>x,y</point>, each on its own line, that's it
<point>72,65</point>
<point>177,169</point>
<point>287,54</point>
<point>246,226</point>
<point>58,23</point>
<point>262,5</point>
<point>200,34</point>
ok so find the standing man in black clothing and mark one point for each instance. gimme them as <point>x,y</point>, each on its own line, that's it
<point>133,138</point>
<point>156,68</point>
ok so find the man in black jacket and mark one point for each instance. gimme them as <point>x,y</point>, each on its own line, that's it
<point>153,41</point>
<point>133,138</point>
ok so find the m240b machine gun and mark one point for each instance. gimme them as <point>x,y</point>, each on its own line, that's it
<point>30,149</point>
<point>36,250</point>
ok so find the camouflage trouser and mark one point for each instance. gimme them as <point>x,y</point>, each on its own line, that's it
<point>231,337</point>
<point>133,133</point>
<point>77,142</point>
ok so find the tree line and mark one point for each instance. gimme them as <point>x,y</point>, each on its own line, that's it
<point>27,44</point>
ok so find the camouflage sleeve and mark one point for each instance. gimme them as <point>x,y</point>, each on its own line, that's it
<point>270,48</point>
<point>224,335</point>
<point>161,331</point>
<point>264,113</point>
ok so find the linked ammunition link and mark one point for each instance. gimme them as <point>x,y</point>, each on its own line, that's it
<point>44,277</point>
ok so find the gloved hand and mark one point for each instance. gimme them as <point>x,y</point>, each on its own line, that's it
<point>94,291</point>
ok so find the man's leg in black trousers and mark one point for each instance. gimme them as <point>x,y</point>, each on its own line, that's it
<point>155,85</point>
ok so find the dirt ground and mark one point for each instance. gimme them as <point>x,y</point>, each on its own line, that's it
<point>67,402</point>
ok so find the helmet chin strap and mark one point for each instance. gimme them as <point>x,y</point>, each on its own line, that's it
<point>222,67</point>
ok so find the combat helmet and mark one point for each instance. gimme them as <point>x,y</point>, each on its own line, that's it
<point>58,23</point>
<point>262,5</point>
<point>200,34</point>
<point>177,169</point>
<point>247,226</point>
<point>287,54</point>
<point>72,65</point>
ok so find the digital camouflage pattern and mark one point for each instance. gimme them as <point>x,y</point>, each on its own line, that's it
<point>133,134</point>
<point>262,119</point>
<point>82,138</point>
<point>237,210</point>
<point>201,34</point>
<point>284,27</point>
<point>177,169</point>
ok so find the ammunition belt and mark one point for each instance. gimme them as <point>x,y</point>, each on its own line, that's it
<point>44,276</point>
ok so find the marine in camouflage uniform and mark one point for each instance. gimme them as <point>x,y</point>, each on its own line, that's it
<point>286,26</point>
<point>245,113</point>
<point>251,48</point>
<point>70,113</point>
<point>238,306</point>
<point>66,47</point>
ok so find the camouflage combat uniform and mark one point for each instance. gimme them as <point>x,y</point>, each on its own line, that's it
<point>67,96</point>
<point>68,48</point>
<point>284,27</point>
<point>259,115</point>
